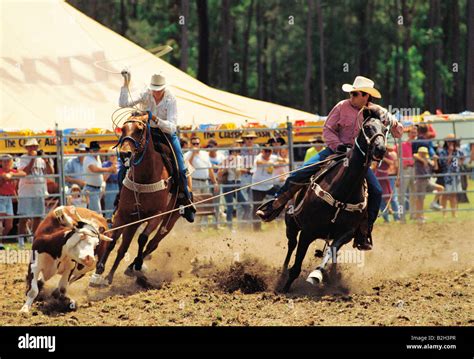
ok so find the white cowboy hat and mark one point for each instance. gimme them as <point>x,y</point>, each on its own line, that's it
<point>364,84</point>
<point>31,142</point>
<point>157,82</point>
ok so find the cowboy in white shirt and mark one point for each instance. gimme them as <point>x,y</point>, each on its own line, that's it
<point>159,100</point>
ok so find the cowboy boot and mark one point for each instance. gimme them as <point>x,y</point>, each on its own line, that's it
<point>272,208</point>
<point>363,237</point>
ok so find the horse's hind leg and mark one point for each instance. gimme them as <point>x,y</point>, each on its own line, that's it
<point>303,244</point>
<point>162,233</point>
<point>292,231</point>
<point>316,276</point>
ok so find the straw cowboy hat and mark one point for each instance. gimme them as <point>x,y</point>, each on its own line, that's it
<point>423,149</point>
<point>31,142</point>
<point>157,82</point>
<point>364,84</point>
<point>249,134</point>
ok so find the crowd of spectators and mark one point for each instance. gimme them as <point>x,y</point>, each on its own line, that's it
<point>28,183</point>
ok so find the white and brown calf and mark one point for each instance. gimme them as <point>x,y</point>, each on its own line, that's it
<point>67,242</point>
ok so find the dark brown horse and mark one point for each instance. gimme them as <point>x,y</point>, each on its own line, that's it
<point>148,189</point>
<point>334,205</point>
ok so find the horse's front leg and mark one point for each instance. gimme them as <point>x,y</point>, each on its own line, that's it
<point>137,263</point>
<point>303,244</point>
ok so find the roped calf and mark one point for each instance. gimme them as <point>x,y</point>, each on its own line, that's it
<point>66,242</point>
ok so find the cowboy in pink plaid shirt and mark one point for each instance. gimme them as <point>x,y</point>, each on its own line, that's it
<point>340,130</point>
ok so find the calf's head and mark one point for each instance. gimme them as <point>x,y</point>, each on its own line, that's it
<point>82,243</point>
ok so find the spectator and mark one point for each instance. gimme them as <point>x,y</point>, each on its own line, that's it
<point>423,140</point>
<point>408,163</point>
<point>73,169</point>
<point>382,174</point>
<point>263,169</point>
<point>216,157</point>
<point>282,162</point>
<point>249,151</point>
<point>229,175</point>
<point>184,143</point>
<point>111,183</point>
<point>93,170</point>
<point>450,162</point>
<point>203,171</point>
<point>8,183</point>
<point>77,198</point>
<point>32,189</point>
<point>423,168</point>
<point>317,145</point>
<point>394,182</point>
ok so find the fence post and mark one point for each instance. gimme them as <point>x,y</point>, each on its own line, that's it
<point>60,164</point>
<point>289,129</point>
<point>401,192</point>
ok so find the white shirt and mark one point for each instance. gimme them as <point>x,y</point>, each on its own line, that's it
<point>262,172</point>
<point>32,186</point>
<point>91,178</point>
<point>166,111</point>
<point>201,164</point>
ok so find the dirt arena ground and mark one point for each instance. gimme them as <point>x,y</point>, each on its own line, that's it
<point>416,275</point>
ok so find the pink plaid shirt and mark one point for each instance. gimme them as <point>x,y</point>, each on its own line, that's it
<point>341,126</point>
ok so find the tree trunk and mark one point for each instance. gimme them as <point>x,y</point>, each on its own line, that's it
<point>433,84</point>
<point>309,57</point>
<point>260,40</point>
<point>322,60</point>
<point>470,57</point>
<point>407,18</point>
<point>203,62</point>
<point>245,62</point>
<point>184,58</point>
<point>225,31</point>
<point>123,18</point>
<point>364,55</point>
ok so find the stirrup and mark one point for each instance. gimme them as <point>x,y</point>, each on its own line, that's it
<point>267,213</point>
<point>363,242</point>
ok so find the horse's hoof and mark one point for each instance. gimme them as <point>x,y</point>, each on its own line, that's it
<point>25,310</point>
<point>132,272</point>
<point>97,281</point>
<point>315,277</point>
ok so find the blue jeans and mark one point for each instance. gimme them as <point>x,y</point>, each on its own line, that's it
<point>229,200</point>
<point>110,194</point>
<point>374,188</point>
<point>94,198</point>
<point>174,140</point>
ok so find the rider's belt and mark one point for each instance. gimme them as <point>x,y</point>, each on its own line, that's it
<point>200,179</point>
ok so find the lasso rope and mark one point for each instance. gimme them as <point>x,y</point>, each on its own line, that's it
<point>217,196</point>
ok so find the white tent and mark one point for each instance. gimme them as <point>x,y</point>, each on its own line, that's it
<point>50,71</point>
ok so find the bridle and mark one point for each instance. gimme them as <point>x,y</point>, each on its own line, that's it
<point>370,140</point>
<point>141,145</point>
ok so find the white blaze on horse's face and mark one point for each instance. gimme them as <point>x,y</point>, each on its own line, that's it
<point>80,247</point>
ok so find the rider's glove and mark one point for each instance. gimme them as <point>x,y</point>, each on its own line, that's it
<point>343,148</point>
<point>126,77</point>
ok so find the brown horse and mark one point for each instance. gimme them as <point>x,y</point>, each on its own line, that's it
<point>148,189</point>
<point>334,206</point>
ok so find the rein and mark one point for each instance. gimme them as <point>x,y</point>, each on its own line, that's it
<point>137,144</point>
